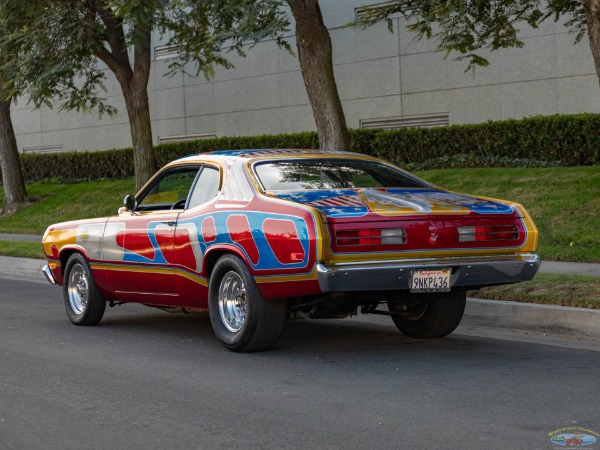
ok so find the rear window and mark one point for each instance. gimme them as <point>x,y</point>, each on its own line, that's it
<point>309,174</point>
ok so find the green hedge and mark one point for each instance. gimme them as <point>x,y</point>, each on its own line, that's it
<point>549,140</point>
<point>572,140</point>
<point>72,167</point>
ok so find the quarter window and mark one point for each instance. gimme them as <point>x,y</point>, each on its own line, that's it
<point>206,188</point>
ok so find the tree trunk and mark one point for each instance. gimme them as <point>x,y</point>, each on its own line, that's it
<point>315,55</point>
<point>12,179</point>
<point>138,111</point>
<point>592,12</point>
<point>133,82</point>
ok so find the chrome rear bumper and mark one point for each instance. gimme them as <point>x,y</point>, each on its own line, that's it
<point>48,273</point>
<point>395,275</point>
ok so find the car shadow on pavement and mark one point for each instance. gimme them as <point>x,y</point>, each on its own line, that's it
<point>354,335</point>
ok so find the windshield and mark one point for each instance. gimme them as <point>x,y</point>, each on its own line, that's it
<point>309,174</point>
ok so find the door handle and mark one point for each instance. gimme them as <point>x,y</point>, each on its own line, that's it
<point>171,223</point>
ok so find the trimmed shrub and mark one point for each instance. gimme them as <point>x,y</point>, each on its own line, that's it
<point>73,167</point>
<point>570,140</point>
<point>573,140</point>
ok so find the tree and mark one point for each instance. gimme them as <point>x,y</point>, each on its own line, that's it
<point>205,32</point>
<point>316,61</point>
<point>469,26</point>
<point>238,23</point>
<point>62,41</point>
<point>15,193</point>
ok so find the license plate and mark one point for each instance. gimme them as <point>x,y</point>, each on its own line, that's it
<point>430,280</point>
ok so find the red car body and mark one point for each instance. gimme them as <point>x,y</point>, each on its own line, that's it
<point>318,232</point>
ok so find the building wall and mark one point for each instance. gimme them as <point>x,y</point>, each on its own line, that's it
<point>379,75</point>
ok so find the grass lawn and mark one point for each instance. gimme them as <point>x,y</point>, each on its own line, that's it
<point>21,249</point>
<point>62,202</point>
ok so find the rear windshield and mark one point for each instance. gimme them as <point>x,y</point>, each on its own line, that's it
<point>308,174</point>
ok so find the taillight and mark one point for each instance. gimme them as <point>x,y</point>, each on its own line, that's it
<point>488,233</point>
<point>376,236</point>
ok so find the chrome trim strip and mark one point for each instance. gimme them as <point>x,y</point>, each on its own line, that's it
<point>48,273</point>
<point>466,273</point>
<point>437,261</point>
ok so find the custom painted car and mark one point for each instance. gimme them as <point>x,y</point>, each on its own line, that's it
<point>258,237</point>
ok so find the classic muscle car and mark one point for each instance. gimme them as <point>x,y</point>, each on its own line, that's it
<point>257,237</point>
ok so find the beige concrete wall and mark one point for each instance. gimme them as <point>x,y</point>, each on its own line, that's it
<point>379,74</point>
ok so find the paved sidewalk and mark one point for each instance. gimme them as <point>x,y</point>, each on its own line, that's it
<point>571,268</point>
<point>20,237</point>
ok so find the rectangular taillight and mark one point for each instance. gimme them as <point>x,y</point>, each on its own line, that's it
<point>374,236</point>
<point>488,233</point>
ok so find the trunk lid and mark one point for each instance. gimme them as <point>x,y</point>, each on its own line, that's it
<point>413,222</point>
<point>400,202</point>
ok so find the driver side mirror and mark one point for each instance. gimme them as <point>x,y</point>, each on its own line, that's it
<point>130,203</point>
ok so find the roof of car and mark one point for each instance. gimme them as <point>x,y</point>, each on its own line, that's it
<point>253,153</point>
<point>264,153</point>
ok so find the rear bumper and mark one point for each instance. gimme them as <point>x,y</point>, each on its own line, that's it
<point>395,275</point>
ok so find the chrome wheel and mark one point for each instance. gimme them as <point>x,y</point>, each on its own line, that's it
<point>240,316</point>
<point>83,301</point>
<point>232,301</point>
<point>78,289</point>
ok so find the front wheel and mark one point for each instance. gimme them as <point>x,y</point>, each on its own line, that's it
<point>241,318</point>
<point>83,302</point>
<point>429,316</point>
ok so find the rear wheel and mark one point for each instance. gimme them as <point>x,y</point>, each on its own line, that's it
<point>241,318</point>
<point>429,316</point>
<point>83,302</point>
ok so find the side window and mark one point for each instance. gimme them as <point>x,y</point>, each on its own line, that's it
<point>206,187</point>
<point>170,191</point>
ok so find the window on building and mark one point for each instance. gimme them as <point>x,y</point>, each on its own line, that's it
<point>361,11</point>
<point>390,123</point>
<point>185,137</point>
<point>165,52</point>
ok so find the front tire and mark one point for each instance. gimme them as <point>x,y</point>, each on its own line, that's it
<point>83,301</point>
<point>241,318</point>
<point>429,316</point>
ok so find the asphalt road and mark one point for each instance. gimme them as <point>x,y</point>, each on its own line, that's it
<point>144,379</point>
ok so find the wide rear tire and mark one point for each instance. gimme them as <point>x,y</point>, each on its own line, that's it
<point>241,318</point>
<point>430,316</point>
<point>83,301</point>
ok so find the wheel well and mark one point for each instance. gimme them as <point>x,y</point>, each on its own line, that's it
<point>64,257</point>
<point>212,258</point>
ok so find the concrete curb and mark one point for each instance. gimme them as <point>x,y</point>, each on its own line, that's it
<point>22,268</point>
<point>562,320</point>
